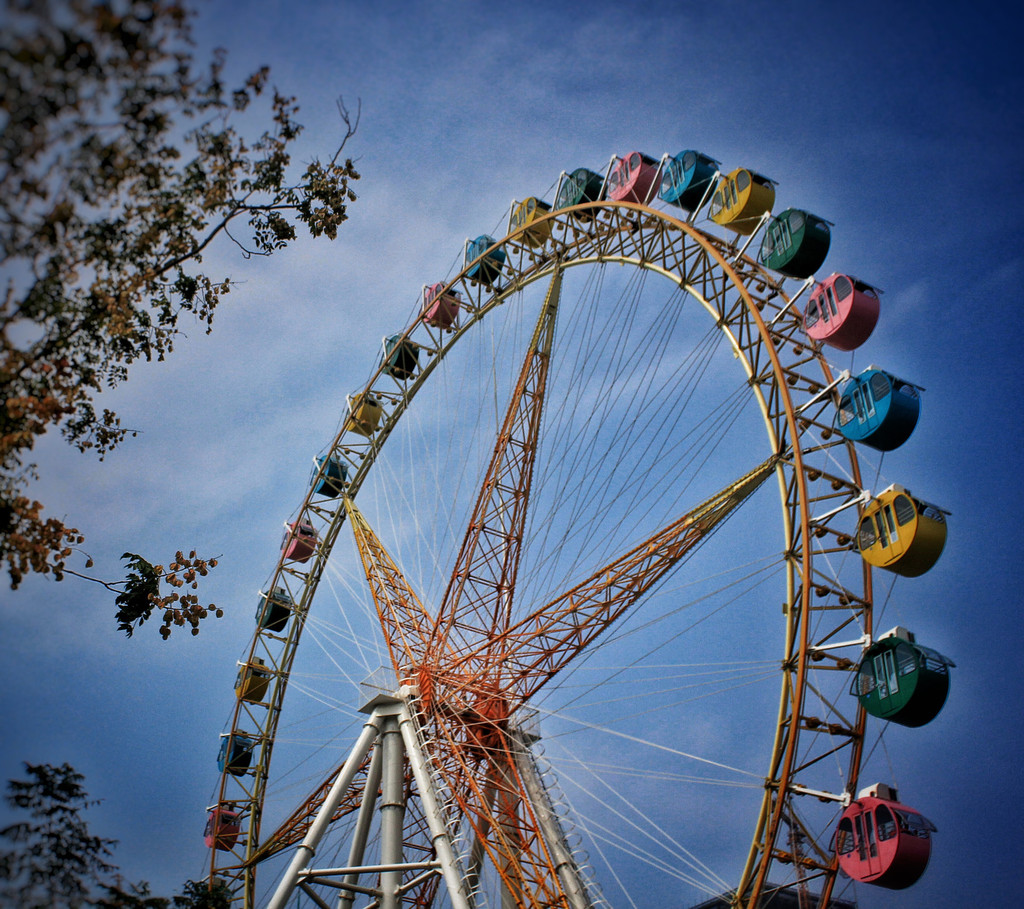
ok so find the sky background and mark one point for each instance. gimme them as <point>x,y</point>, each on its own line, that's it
<point>900,123</point>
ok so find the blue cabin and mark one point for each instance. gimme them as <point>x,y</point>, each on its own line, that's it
<point>688,179</point>
<point>330,480</point>
<point>580,186</point>
<point>274,609</point>
<point>878,409</point>
<point>235,754</point>
<point>486,269</point>
<point>796,243</point>
<point>901,681</point>
<point>401,357</point>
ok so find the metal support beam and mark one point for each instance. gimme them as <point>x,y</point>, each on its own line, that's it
<point>307,849</point>
<point>565,865</point>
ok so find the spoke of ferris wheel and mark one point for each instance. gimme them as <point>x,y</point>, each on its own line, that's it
<point>405,622</point>
<point>476,607</point>
<point>539,646</point>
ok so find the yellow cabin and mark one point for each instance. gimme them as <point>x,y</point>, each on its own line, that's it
<point>900,533</point>
<point>252,682</point>
<point>527,212</point>
<point>365,413</point>
<point>741,199</point>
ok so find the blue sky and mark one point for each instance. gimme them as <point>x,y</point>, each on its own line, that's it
<point>898,123</point>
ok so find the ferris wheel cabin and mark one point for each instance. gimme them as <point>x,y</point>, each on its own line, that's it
<point>842,312</point>
<point>365,412</point>
<point>741,200</point>
<point>580,186</point>
<point>528,212</point>
<point>401,357</point>
<point>632,178</point>
<point>235,754</point>
<point>274,609</point>
<point>900,533</point>
<point>901,681</point>
<point>328,481</point>
<point>483,266</point>
<point>252,681</point>
<point>299,541</point>
<point>878,409</point>
<point>439,307</point>
<point>795,243</point>
<point>687,179</point>
<point>881,841</point>
<point>222,828</point>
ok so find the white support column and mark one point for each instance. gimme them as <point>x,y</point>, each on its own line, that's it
<point>568,871</point>
<point>392,814</point>
<point>440,835</point>
<point>307,849</point>
<point>357,851</point>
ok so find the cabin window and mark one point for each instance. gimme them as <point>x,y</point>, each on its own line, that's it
<point>861,840</point>
<point>905,510</point>
<point>883,537</point>
<point>796,221</point>
<point>823,306</point>
<point>731,191</point>
<point>866,679</point>
<point>689,160</point>
<point>846,413</point>
<point>781,236</point>
<point>914,824</point>
<point>843,287</point>
<point>869,830</point>
<point>717,203</point>
<point>615,178</point>
<point>890,521</point>
<point>886,823</point>
<point>885,674</point>
<point>866,289</point>
<point>811,313</point>
<point>879,386</point>
<point>864,405</point>
<point>906,658</point>
<point>634,162</point>
<point>905,388</point>
<point>866,533</point>
<point>832,300</point>
<point>844,837</point>
<point>742,181</point>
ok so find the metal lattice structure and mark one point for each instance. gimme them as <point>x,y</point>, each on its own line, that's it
<point>465,671</point>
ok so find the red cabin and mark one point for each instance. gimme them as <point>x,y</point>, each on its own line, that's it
<point>439,309</point>
<point>299,541</point>
<point>632,178</point>
<point>222,829</point>
<point>842,312</point>
<point>880,841</point>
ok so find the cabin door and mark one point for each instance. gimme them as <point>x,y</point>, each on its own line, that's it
<point>867,842</point>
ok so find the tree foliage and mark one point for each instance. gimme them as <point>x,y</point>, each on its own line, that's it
<point>121,162</point>
<point>55,860</point>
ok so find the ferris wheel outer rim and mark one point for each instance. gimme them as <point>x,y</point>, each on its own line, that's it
<point>493,299</point>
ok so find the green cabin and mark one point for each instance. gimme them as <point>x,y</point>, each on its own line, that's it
<point>901,681</point>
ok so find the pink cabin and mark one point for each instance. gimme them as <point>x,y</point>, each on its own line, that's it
<point>299,541</point>
<point>842,312</point>
<point>439,309</point>
<point>881,842</point>
<point>632,178</point>
<point>222,829</point>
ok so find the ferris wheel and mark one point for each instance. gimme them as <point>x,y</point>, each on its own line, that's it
<point>612,542</point>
